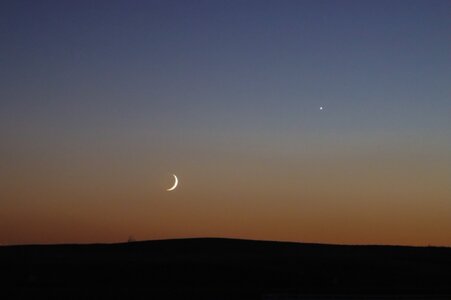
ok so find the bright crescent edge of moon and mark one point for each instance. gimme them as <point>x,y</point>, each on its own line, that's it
<point>175,184</point>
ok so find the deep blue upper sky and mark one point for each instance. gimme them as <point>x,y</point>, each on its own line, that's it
<point>269,62</point>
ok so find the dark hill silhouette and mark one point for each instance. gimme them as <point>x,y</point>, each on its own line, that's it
<point>219,268</point>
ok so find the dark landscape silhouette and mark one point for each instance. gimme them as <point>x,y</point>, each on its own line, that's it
<point>218,268</point>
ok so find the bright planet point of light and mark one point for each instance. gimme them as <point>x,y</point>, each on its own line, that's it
<point>320,108</point>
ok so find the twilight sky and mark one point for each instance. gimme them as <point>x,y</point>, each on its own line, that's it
<point>101,101</point>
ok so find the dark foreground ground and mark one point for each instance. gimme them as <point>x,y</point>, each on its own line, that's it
<point>224,269</point>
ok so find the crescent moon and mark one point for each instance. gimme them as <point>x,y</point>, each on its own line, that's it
<point>175,184</point>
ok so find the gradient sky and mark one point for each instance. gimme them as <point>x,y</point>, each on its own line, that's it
<point>101,101</point>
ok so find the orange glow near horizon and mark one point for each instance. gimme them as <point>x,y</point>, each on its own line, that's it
<point>382,200</point>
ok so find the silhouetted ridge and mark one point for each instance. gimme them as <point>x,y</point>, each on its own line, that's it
<point>219,265</point>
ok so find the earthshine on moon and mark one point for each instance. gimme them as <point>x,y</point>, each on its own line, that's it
<point>176,182</point>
